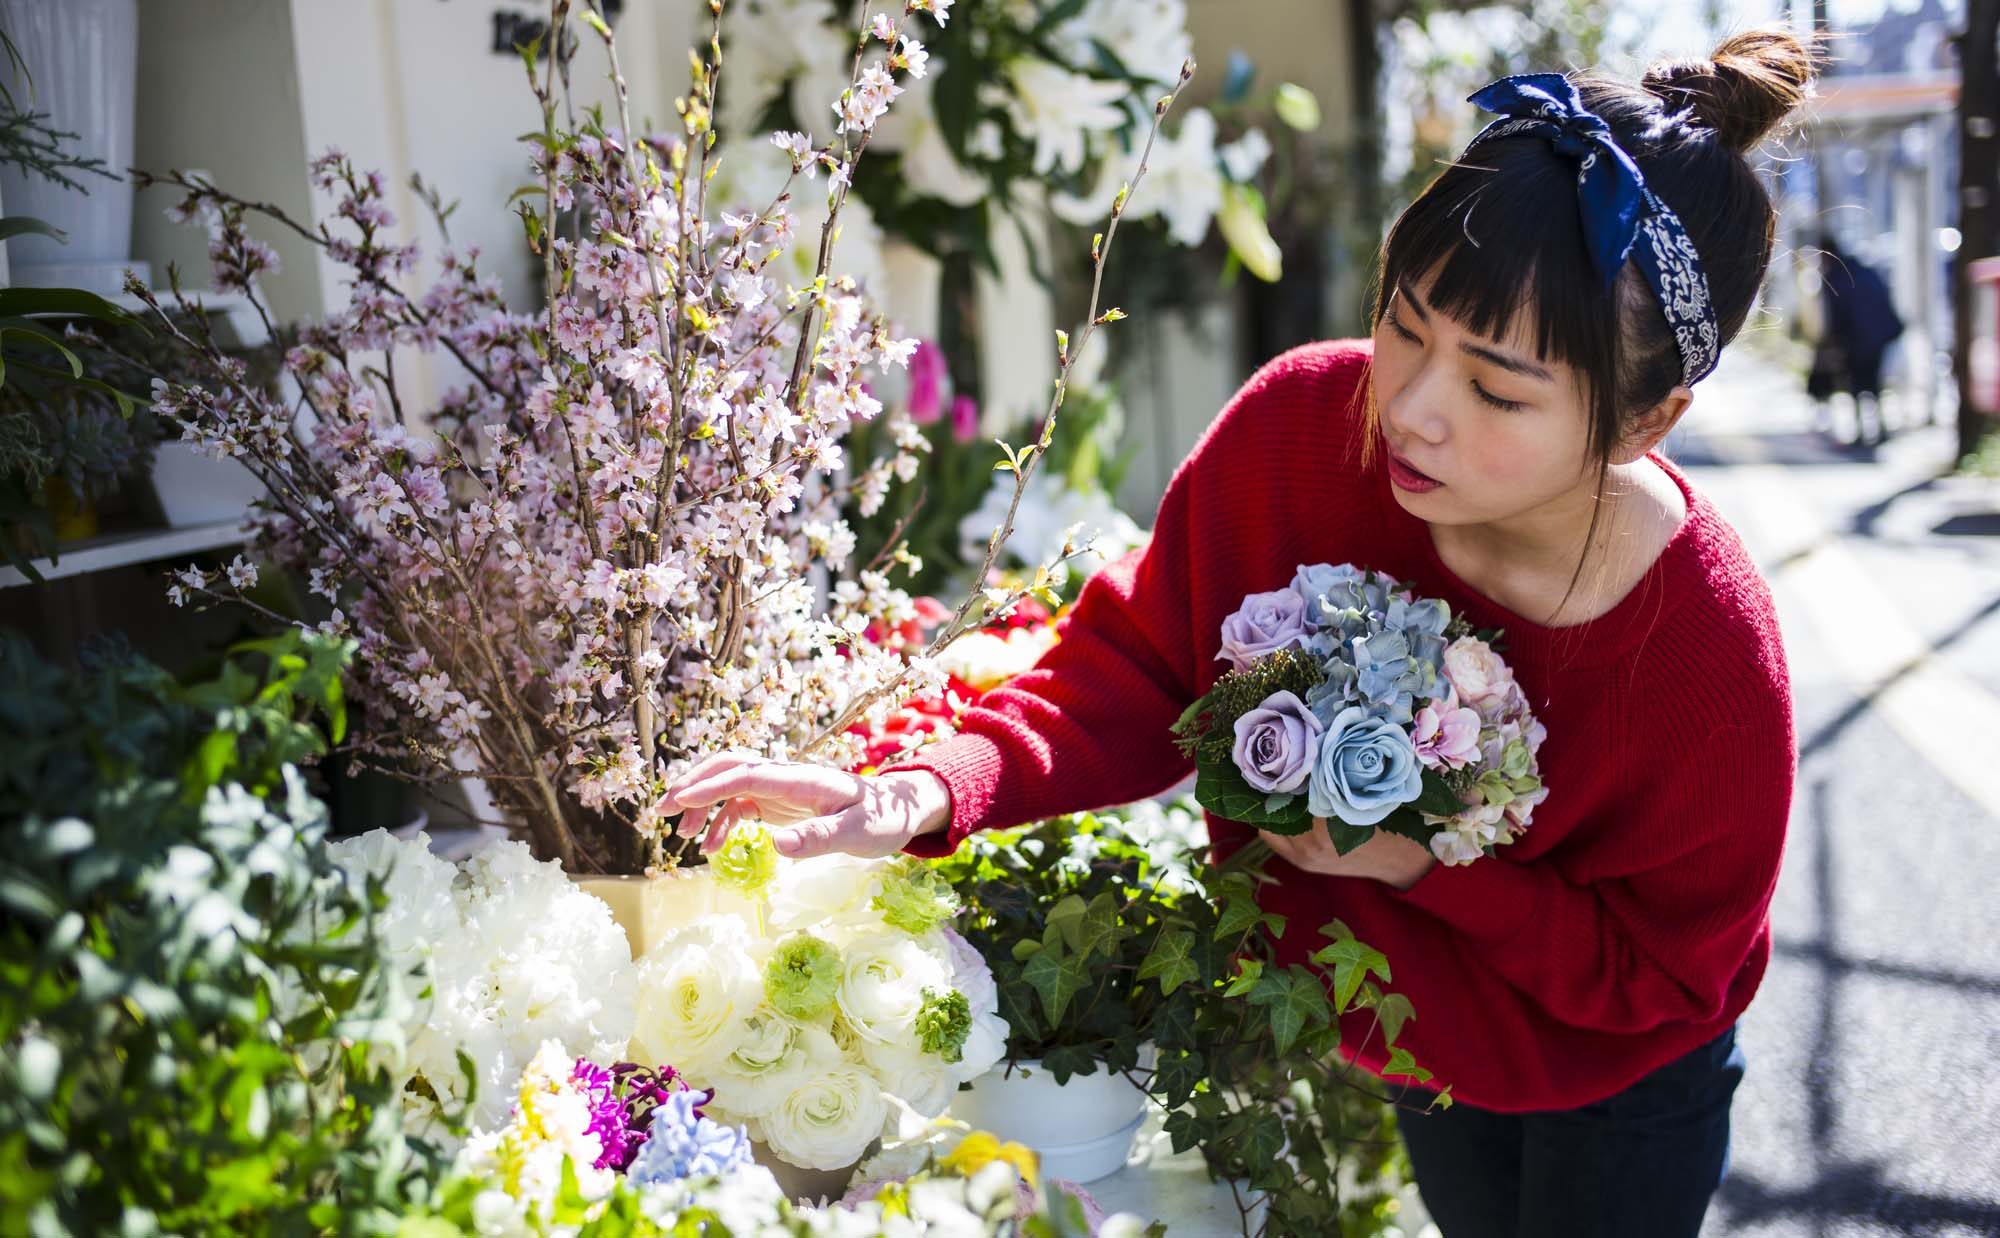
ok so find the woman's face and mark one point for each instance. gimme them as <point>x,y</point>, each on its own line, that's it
<point>1476,430</point>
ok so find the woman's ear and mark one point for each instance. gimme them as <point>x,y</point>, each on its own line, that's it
<point>1647,430</point>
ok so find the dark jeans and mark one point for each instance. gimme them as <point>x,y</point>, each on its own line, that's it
<point>1640,1164</point>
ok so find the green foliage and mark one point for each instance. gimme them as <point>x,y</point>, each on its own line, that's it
<point>1118,951</point>
<point>187,987</point>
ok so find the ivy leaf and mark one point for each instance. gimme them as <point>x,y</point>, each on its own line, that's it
<point>1295,998</point>
<point>1248,973</point>
<point>1097,932</point>
<point>1241,913</point>
<point>1171,961</point>
<point>1066,918</point>
<point>1351,963</point>
<point>1402,1064</point>
<point>1394,1011</point>
<point>1057,978</point>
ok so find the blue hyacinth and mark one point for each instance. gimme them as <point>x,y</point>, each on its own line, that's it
<point>683,1144</point>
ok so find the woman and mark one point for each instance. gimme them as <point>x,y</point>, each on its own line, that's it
<point>1545,308</point>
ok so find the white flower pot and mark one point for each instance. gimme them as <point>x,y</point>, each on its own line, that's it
<point>83,56</point>
<point>194,489</point>
<point>1082,1130</point>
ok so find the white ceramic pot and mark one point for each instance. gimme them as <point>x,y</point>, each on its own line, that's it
<point>1082,1130</point>
<point>83,56</point>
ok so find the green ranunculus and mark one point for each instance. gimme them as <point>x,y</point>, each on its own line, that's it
<point>914,898</point>
<point>943,1023</point>
<point>802,976</point>
<point>748,860</point>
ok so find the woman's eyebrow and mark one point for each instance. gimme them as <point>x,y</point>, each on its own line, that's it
<point>1506,361</point>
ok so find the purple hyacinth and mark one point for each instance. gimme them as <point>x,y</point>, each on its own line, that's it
<point>621,1100</point>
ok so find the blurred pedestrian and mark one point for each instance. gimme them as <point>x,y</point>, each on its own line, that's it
<point>1860,323</point>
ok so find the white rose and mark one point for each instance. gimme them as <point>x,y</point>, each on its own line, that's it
<point>882,986</point>
<point>697,988</point>
<point>772,1057</point>
<point>828,1122</point>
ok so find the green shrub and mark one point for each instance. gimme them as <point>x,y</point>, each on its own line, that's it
<point>187,989</point>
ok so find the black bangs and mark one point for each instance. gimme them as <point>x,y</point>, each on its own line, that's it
<point>1500,236</point>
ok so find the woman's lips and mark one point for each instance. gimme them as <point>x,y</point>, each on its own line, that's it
<point>1408,478</point>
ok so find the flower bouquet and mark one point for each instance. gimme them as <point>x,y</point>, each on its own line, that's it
<point>808,993</point>
<point>1353,700</point>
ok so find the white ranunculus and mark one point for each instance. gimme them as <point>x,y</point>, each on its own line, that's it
<point>697,988</point>
<point>882,984</point>
<point>771,1058</point>
<point>984,1046</point>
<point>828,891</point>
<point>829,1121</point>
<point>970,973</point>
<point>923,1081</point>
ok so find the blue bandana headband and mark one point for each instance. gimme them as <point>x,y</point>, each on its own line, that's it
<point>1622,218</point>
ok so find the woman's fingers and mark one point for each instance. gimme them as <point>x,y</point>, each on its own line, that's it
<point>813,836</point>
<point>703,770</point>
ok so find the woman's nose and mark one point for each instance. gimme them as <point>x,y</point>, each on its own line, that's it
<point>1418,408</point>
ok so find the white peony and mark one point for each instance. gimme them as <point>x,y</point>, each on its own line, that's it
<point>882,985</point>
<point>829,1121</point>
<point>985,659</point>
<point>698,987</point>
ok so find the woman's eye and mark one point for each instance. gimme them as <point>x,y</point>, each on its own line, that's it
<point>1396,325</point>
<point>1495,401</point>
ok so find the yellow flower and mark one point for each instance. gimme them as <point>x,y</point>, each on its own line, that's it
<point>980,1149</point>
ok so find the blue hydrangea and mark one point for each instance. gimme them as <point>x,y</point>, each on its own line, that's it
<point>1391,677</point>
<point>684,1144</point>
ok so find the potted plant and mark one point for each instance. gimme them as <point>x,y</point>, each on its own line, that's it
<point>1129,965</point>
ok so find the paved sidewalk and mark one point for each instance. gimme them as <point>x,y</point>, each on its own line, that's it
<point>1872,1105</point>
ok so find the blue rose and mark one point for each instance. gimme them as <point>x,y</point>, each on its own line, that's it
<point>1366,769</point>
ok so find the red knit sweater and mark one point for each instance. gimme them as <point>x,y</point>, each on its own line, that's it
<point>1627,926</point>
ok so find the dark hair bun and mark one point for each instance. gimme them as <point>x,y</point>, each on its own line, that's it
<point>1745,89</point>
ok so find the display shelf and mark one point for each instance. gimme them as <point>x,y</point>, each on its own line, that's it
<point>123,549</point>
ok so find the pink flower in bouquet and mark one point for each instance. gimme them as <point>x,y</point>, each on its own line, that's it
<point>1265,623</point>
<point>964,419</point>
<point>1479,674</point>
<point>1447,733</point>
<point>927,377</point>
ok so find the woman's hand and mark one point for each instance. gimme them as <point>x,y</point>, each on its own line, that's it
<point>1388,858</point>
<point>825,809</point>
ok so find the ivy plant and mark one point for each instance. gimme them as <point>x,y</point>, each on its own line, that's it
<point>1120,945</point>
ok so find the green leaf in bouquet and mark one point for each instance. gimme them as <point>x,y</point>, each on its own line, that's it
<point>1347,837</point>
<point>1220,787</point>
<point>1438,799</point>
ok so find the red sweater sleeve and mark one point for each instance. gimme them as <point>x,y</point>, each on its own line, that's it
<point>1090,725</point>
<point>1660,930</point>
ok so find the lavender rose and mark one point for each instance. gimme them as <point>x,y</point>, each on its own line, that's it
<point>1276,743</point>
<point>1265,623</point>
